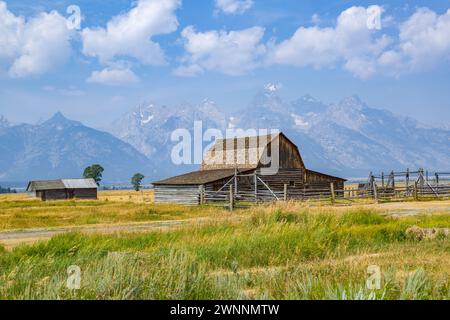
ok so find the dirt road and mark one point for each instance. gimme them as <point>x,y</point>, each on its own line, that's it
<point>11,239</point>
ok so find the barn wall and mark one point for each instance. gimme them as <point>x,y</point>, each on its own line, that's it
<point>317,180</point>
<point>292,177</point>
<point>177,194</point>
<point>84,193</point>
<point>289,156</point>
<point>52,195</point>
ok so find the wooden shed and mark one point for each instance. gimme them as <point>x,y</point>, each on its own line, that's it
<point>63,189</point>
<point>246,160</point>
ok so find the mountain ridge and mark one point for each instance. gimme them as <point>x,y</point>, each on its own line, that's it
<point>62,148</point>
<point>347,138</point>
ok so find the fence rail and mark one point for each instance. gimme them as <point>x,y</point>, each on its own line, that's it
<point>231,198</point>
<point>415,185</point>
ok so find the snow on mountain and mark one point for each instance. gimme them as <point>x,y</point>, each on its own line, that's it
<point>62,148</point>
<point>347,138</point>
<point>149,127</point>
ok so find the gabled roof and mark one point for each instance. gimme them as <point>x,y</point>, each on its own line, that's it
<point>242,152</point>
<point>200,177</point>
<point>61,184</point>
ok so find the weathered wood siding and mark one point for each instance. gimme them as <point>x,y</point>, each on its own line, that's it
<point>316,180</point>
<point>48,195</point>
<point>64,194</point>
<point>177,194</point>
<point>83,193</point>
<point>289,156</point>
<point>292,177</point>
<point>248,153</point>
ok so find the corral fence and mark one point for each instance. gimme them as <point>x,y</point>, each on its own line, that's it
<point>415,185</point>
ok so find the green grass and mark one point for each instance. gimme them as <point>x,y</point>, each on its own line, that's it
<point>37,214</point>
<point>273,254</point>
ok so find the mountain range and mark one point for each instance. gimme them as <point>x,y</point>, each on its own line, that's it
<point>347,138</point>
<point>60,148</point>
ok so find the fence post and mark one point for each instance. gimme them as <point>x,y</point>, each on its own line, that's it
<point>285,192</point>
<point>231,198</point>
<point>407,182</point>
<point>256,187</point>
<point>333,195</point>
<point>416,194</point>
<point>375,191</point>
<point>202,194</point>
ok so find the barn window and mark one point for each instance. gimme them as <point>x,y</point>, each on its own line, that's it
<point>292,183</point>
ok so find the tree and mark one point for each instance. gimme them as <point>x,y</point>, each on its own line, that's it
<point>136,181</point>
<point>94,172</point>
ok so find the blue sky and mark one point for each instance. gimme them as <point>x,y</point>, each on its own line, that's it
<point>172,51</point>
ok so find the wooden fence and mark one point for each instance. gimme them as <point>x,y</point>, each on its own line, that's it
<point>416,186</point>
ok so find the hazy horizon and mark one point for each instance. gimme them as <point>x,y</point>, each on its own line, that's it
<point>94,75</point>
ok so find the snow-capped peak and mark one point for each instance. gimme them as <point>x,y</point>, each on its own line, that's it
<point>208,101</point>
<point>272,87</point>
<point>146,113</point>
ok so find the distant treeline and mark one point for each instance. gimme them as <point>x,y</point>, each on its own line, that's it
<point>7,190</point>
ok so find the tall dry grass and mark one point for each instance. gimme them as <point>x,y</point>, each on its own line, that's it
<point>274,253</point>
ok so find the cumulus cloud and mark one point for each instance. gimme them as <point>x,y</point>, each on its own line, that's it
<point>130,34</point>
<point>113,76</point>
<point>424,42</point>
<point>233,6</point>
<point>352,41</point>
<point>232,53</point>
<point>35,46</point>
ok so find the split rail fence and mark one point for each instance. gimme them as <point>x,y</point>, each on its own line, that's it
<point>416,185</point>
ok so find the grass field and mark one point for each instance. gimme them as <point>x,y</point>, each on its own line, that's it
<point>283,251</point>
<point>21,212</point>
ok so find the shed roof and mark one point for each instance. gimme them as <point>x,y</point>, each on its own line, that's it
<point>200,177</point>
<point>61,184</point>
<point>79,183</point>
<point>324,175</point>
<point>45,185</point>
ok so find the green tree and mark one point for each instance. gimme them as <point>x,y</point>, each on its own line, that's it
<point>136,181</point>
<point>94,172</point>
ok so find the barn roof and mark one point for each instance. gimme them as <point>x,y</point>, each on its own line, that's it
<point>45,185</point>
<point>79,183</point>
<point>200,177</point>
<point>324,175</point>
<point>61,184</point>
<point>243,152</point>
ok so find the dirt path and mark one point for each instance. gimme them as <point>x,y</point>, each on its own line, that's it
<point>11,239</point>
<point>403,209</point>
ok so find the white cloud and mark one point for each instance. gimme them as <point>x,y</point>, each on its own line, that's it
<point>35,46</point>
<point>233,6</point>
<point>113,76</point>
<point>130,34</point>
<point>351,41</point>
<point>424,42</point>
<point>232,53</point>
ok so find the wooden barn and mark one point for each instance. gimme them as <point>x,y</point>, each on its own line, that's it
<point>244,163</point>
<point>63,189</point>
